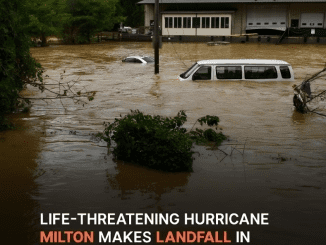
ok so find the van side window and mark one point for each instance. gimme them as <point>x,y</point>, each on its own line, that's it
<point>260,72</point>
<point>285,72</point>
<point>228,72</point>
<point>203,73</point>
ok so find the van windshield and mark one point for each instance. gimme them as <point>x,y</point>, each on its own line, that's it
<point>189,71</point>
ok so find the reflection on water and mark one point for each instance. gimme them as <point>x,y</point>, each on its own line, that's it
<point>274,160</point>
<point>130,179</point>
<point>19,150</point>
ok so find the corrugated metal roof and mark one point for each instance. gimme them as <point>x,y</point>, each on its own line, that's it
<point>231,1</point>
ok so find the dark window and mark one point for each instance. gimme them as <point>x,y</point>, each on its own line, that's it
<point>195,22</point>
<point>148,59</point>
<point>266,23</point>
<point>274,23</point>
<point>258,23</point>
<point>320,24</point>
<point>129,60</point>
<point>177,22</point>
<point>186,22</point>
<point>133,60</point>
<point>189,22</point>
<point>215,22</point>
<point>224,22</point>
<point>250,24</point>
<point>205,22</point>
<point>282,23</point>
<point>304,24</point>
<point>168,22</point>
<point>189,71</point>
<point>295,23</point>
<point>228,72</point>
<point>285,72</point>
<point>260,72</point>
<point>203,73</point>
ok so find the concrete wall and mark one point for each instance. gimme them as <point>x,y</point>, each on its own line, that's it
<point>149,13</point>
<point>239,19</point>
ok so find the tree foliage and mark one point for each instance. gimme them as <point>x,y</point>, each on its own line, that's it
<point>17,67</point>
<point>88,17</point>
<point>133,12</point>
<point>46,18</point>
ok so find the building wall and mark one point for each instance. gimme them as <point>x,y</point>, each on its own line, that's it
<point>149,13</point>
<point>239,17</point>
<point>295,10</point>
<point>239,20</point>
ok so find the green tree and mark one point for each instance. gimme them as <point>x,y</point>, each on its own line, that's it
<point>46,17</point>
<point>88,17</point>
<point>134,13</point>
<point>17,67</point>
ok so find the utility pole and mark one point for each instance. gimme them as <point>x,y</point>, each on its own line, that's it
<point>156,37</point>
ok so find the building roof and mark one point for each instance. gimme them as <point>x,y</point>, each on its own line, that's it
<point>231,1</point>
<point>243,62</point>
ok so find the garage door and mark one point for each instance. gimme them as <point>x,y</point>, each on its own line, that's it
<point>312,20</point>
<point>266,17</point>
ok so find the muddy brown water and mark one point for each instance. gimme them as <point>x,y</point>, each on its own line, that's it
<point>275,162</point>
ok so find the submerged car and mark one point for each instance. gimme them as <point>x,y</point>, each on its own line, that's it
<point>239,69</point>
<point>139,59</point>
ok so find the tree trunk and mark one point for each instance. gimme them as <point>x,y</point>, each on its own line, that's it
<point>43,40</point>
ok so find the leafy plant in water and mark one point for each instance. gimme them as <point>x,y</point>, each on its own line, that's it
<point>157,142</point>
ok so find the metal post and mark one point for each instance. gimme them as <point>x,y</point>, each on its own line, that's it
<point>156,36</point>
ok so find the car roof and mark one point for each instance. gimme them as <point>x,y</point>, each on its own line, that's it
<point>137,56</point>
<point>243,62</point>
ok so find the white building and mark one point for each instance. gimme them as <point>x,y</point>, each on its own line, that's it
<point>232,17</point>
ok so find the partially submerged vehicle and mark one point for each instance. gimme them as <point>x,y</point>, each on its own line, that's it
<point>239,69</point>
<point>139,59</point>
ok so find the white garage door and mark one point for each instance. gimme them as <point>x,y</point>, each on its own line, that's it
<point>266,17</point>
<point>312,20</point>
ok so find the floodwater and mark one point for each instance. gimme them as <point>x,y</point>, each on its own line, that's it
<point>273,161</point>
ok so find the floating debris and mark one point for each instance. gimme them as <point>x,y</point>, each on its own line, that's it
<point>217,43</point>
<point>303,94</point>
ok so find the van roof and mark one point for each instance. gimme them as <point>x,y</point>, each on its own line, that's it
<point>243,62</point>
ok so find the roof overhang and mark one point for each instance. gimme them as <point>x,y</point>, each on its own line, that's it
<point>199,12</point>
<point>228,1</point>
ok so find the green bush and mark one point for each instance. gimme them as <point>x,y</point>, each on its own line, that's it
<point>153,141</point>
<point>157,142</point>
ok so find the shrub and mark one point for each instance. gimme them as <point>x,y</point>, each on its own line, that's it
<point>157,142</point>
<point>153,141</point>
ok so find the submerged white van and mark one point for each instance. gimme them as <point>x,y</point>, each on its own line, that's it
<point>241,69</point>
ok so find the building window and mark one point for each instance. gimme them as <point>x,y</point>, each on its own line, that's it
<point>205,22</point>
<point>224,22</point>
<point>215,22</point>
<point>168,22</point>
<point>195,22</point>
<point>260,72</point>
<point>228,72</point>
<point>177,22</point>
<point>186,22</point>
